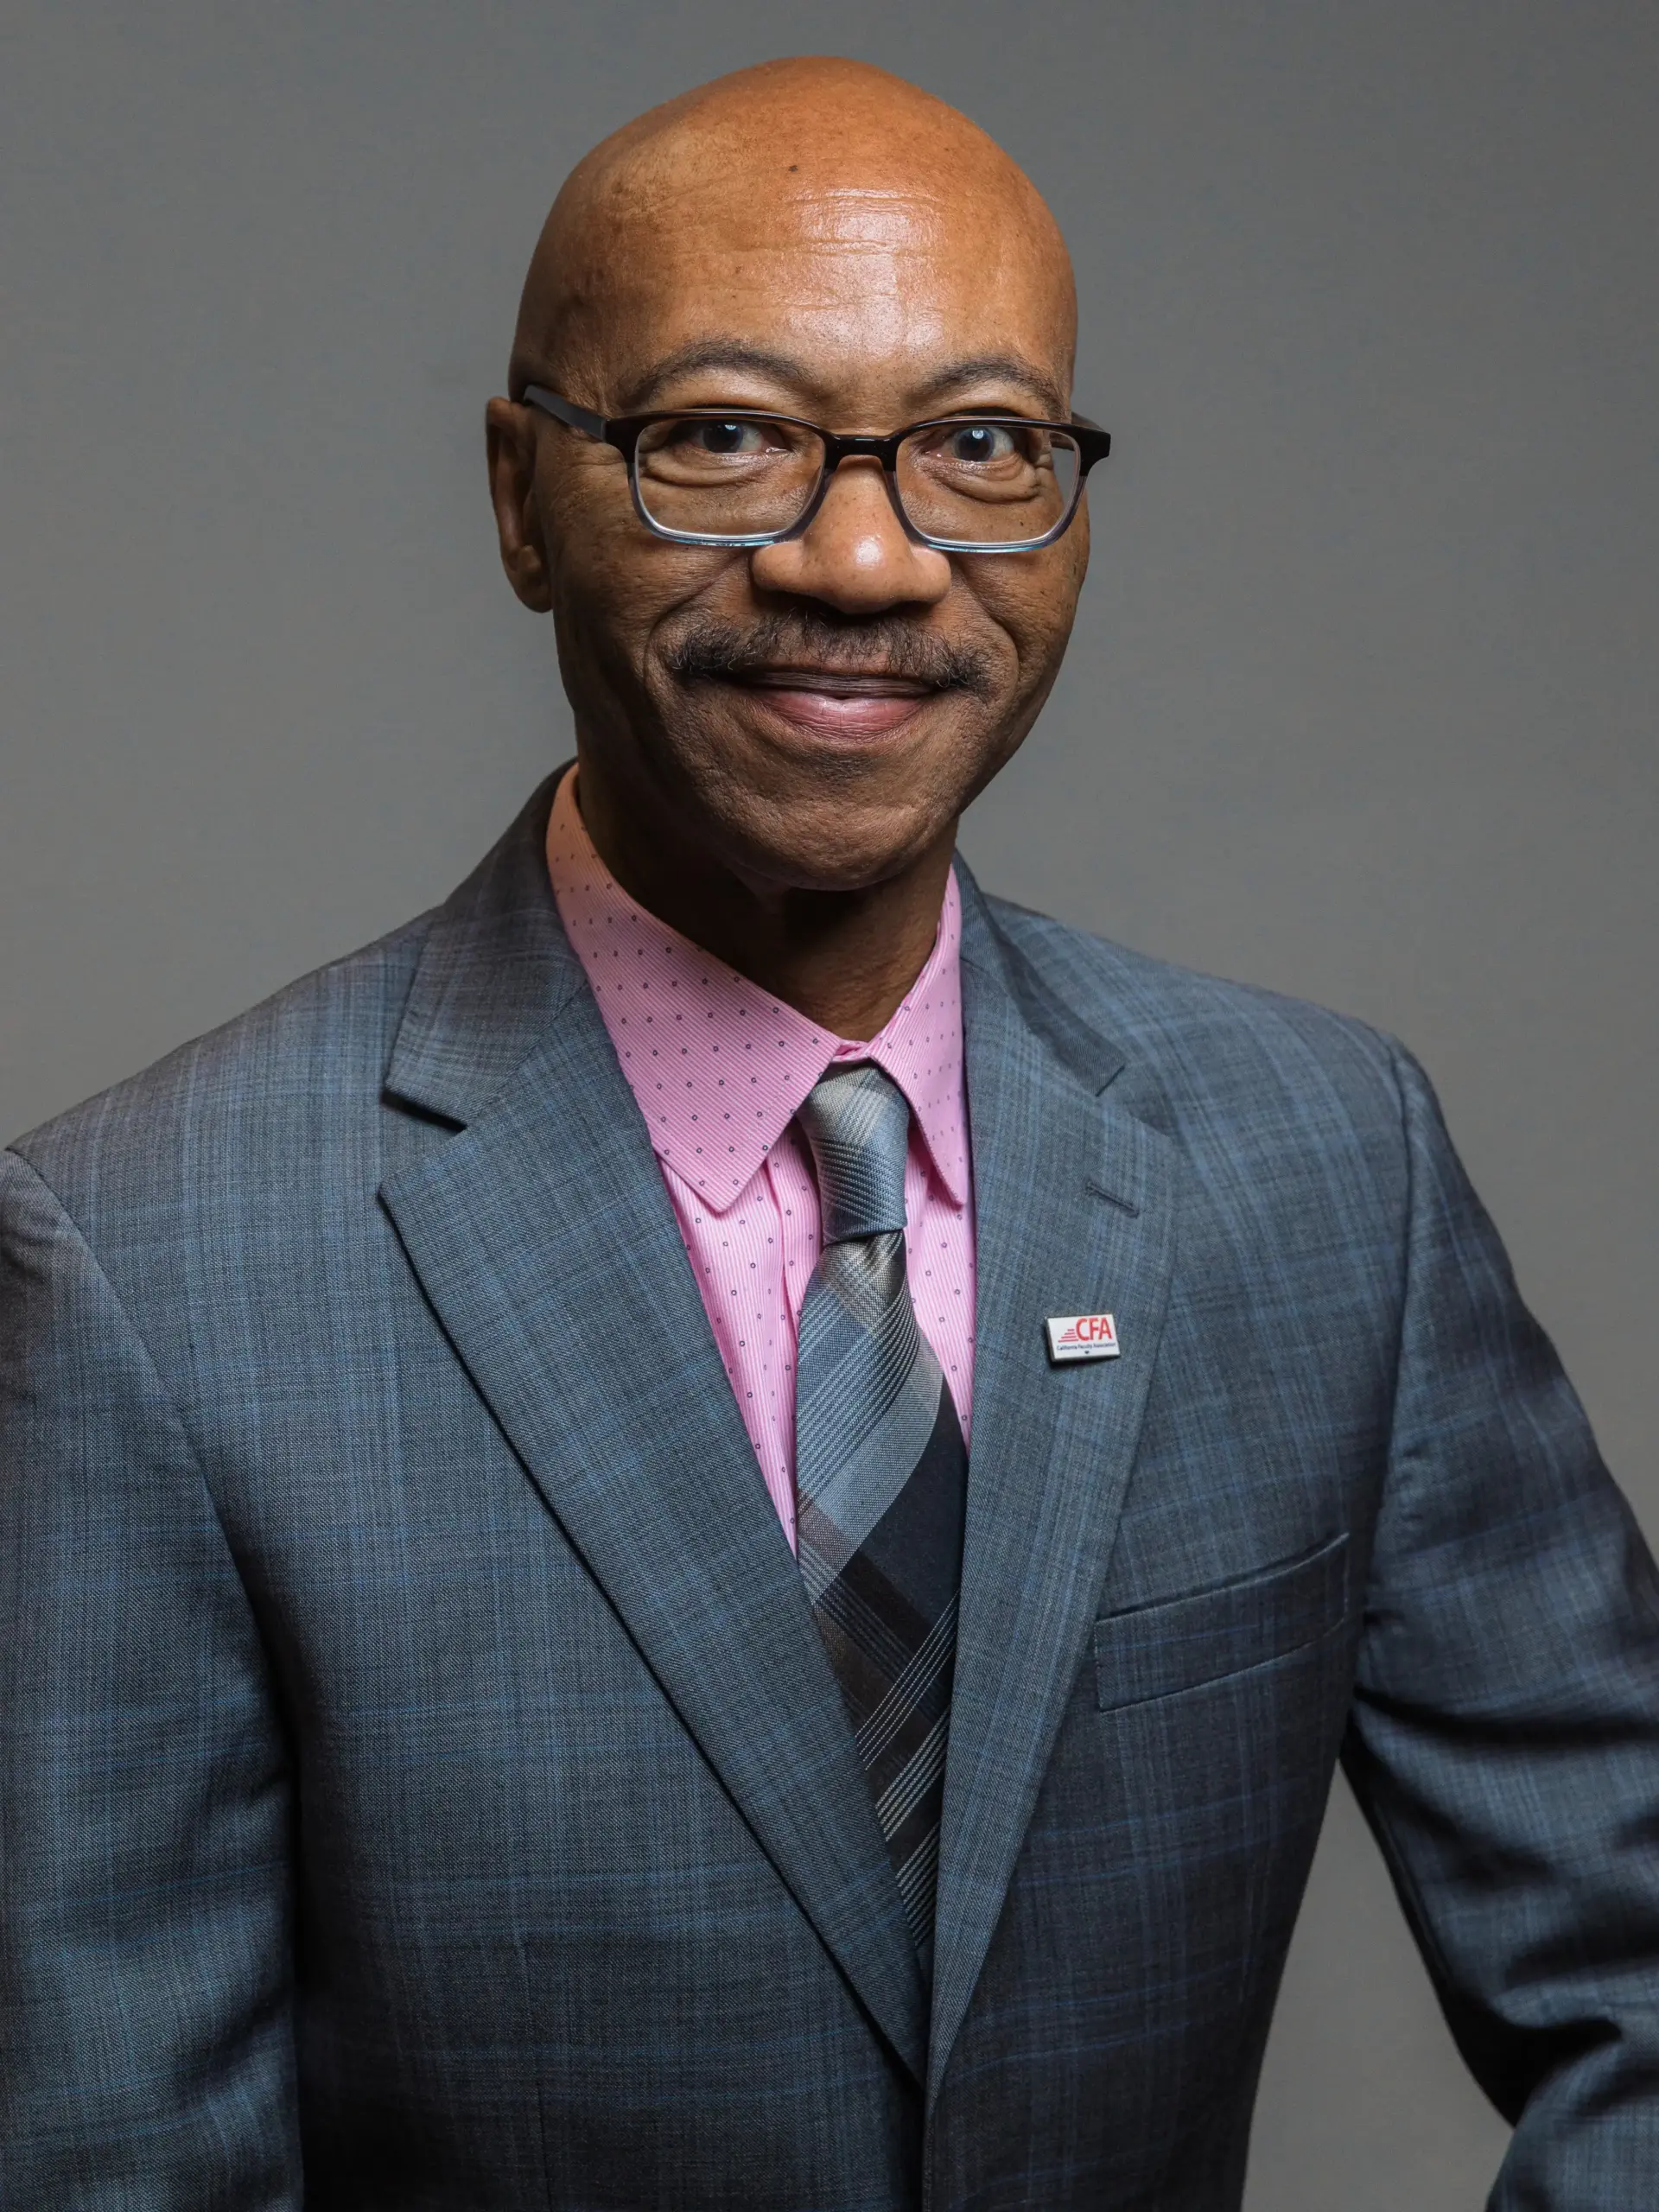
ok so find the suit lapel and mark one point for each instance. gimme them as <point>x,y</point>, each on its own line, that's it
<point>544,1238</point>
<point>1074,1205</point>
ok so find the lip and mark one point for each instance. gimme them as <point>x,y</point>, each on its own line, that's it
<point>839,702</point>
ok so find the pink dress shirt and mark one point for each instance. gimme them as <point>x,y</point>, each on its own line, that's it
<point>719,1068</point>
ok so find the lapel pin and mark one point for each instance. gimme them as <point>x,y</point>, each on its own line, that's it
<point>1082,1336</point>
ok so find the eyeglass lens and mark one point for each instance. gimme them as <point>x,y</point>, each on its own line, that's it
<point>969,483</point>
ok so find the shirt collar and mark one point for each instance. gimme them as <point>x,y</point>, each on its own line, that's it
<point>719,1066</point>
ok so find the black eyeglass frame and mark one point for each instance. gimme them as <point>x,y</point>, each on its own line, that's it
<point>625,431</point>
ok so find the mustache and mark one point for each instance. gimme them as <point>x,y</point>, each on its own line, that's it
<point>887,645</point>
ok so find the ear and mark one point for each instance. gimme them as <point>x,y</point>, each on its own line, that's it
<point>509,440</point>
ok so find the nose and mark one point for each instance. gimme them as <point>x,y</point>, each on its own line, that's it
<point>854,555</point>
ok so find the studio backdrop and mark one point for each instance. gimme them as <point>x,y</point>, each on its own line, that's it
<point>1361,704</point>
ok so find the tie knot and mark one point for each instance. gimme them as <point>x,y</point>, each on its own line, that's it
<point>857,1122</point>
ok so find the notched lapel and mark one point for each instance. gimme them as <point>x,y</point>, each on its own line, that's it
<point>546,1242</point>
<point>1074,1205</point>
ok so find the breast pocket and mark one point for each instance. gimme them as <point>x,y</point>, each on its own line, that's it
<point>1180,1643</point>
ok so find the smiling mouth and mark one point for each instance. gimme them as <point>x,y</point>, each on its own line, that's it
<point>839,702</point>
<point>841,683</point>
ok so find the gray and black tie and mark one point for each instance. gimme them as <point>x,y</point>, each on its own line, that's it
<point>881,1476</point>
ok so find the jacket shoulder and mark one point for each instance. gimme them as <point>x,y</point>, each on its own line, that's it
<point>282,1079</point>
<point>1204,1053</point>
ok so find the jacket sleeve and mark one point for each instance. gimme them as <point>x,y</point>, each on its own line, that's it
<point>146,2045</point>
<point>1504,1740</point>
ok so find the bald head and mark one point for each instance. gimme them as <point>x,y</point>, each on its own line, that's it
<point>841,184</point>
<point>759,715</point>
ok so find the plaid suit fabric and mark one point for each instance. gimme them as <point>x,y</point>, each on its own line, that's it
<point>423,1781</point>
<point>880,1476</point>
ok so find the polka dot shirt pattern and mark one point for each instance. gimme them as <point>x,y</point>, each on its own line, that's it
<point>719,1068</point>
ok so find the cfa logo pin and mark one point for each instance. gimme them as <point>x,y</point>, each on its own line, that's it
<point>1082,1336</point>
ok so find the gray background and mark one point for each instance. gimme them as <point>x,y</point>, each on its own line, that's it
<point>1360,705</point>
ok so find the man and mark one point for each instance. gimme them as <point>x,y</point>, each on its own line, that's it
<point>702,1533</point>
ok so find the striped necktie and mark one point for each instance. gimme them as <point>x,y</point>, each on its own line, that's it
<point>881,1476</point>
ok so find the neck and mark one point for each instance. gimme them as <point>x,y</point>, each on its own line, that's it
<point>844,958</point>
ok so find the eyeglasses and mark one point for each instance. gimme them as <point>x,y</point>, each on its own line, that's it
<point>962,483</point>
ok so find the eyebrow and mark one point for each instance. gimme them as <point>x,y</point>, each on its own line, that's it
<point>1001,368</point>
<point>719,354</point>
<point>710,354</point>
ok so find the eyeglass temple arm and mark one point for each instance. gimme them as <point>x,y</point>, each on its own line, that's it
<point>565,410</point>
<point>1094,444</point>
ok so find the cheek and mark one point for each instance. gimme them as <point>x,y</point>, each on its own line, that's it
<point>614,583</point>
<point>596,546</point>
<point>1034,604</point>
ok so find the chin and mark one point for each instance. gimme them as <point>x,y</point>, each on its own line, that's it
<point>853,857</point>
<point>848,829</point>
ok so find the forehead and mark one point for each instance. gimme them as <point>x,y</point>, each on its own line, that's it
<point>867,287</point>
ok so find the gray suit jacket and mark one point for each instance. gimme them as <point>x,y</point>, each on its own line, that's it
<point>424,1783</point>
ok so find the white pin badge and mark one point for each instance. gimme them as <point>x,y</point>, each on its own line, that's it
<point>1082,1336</point>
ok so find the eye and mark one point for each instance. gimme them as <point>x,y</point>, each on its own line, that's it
<point>733,437</point>
<point>978,443</point>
